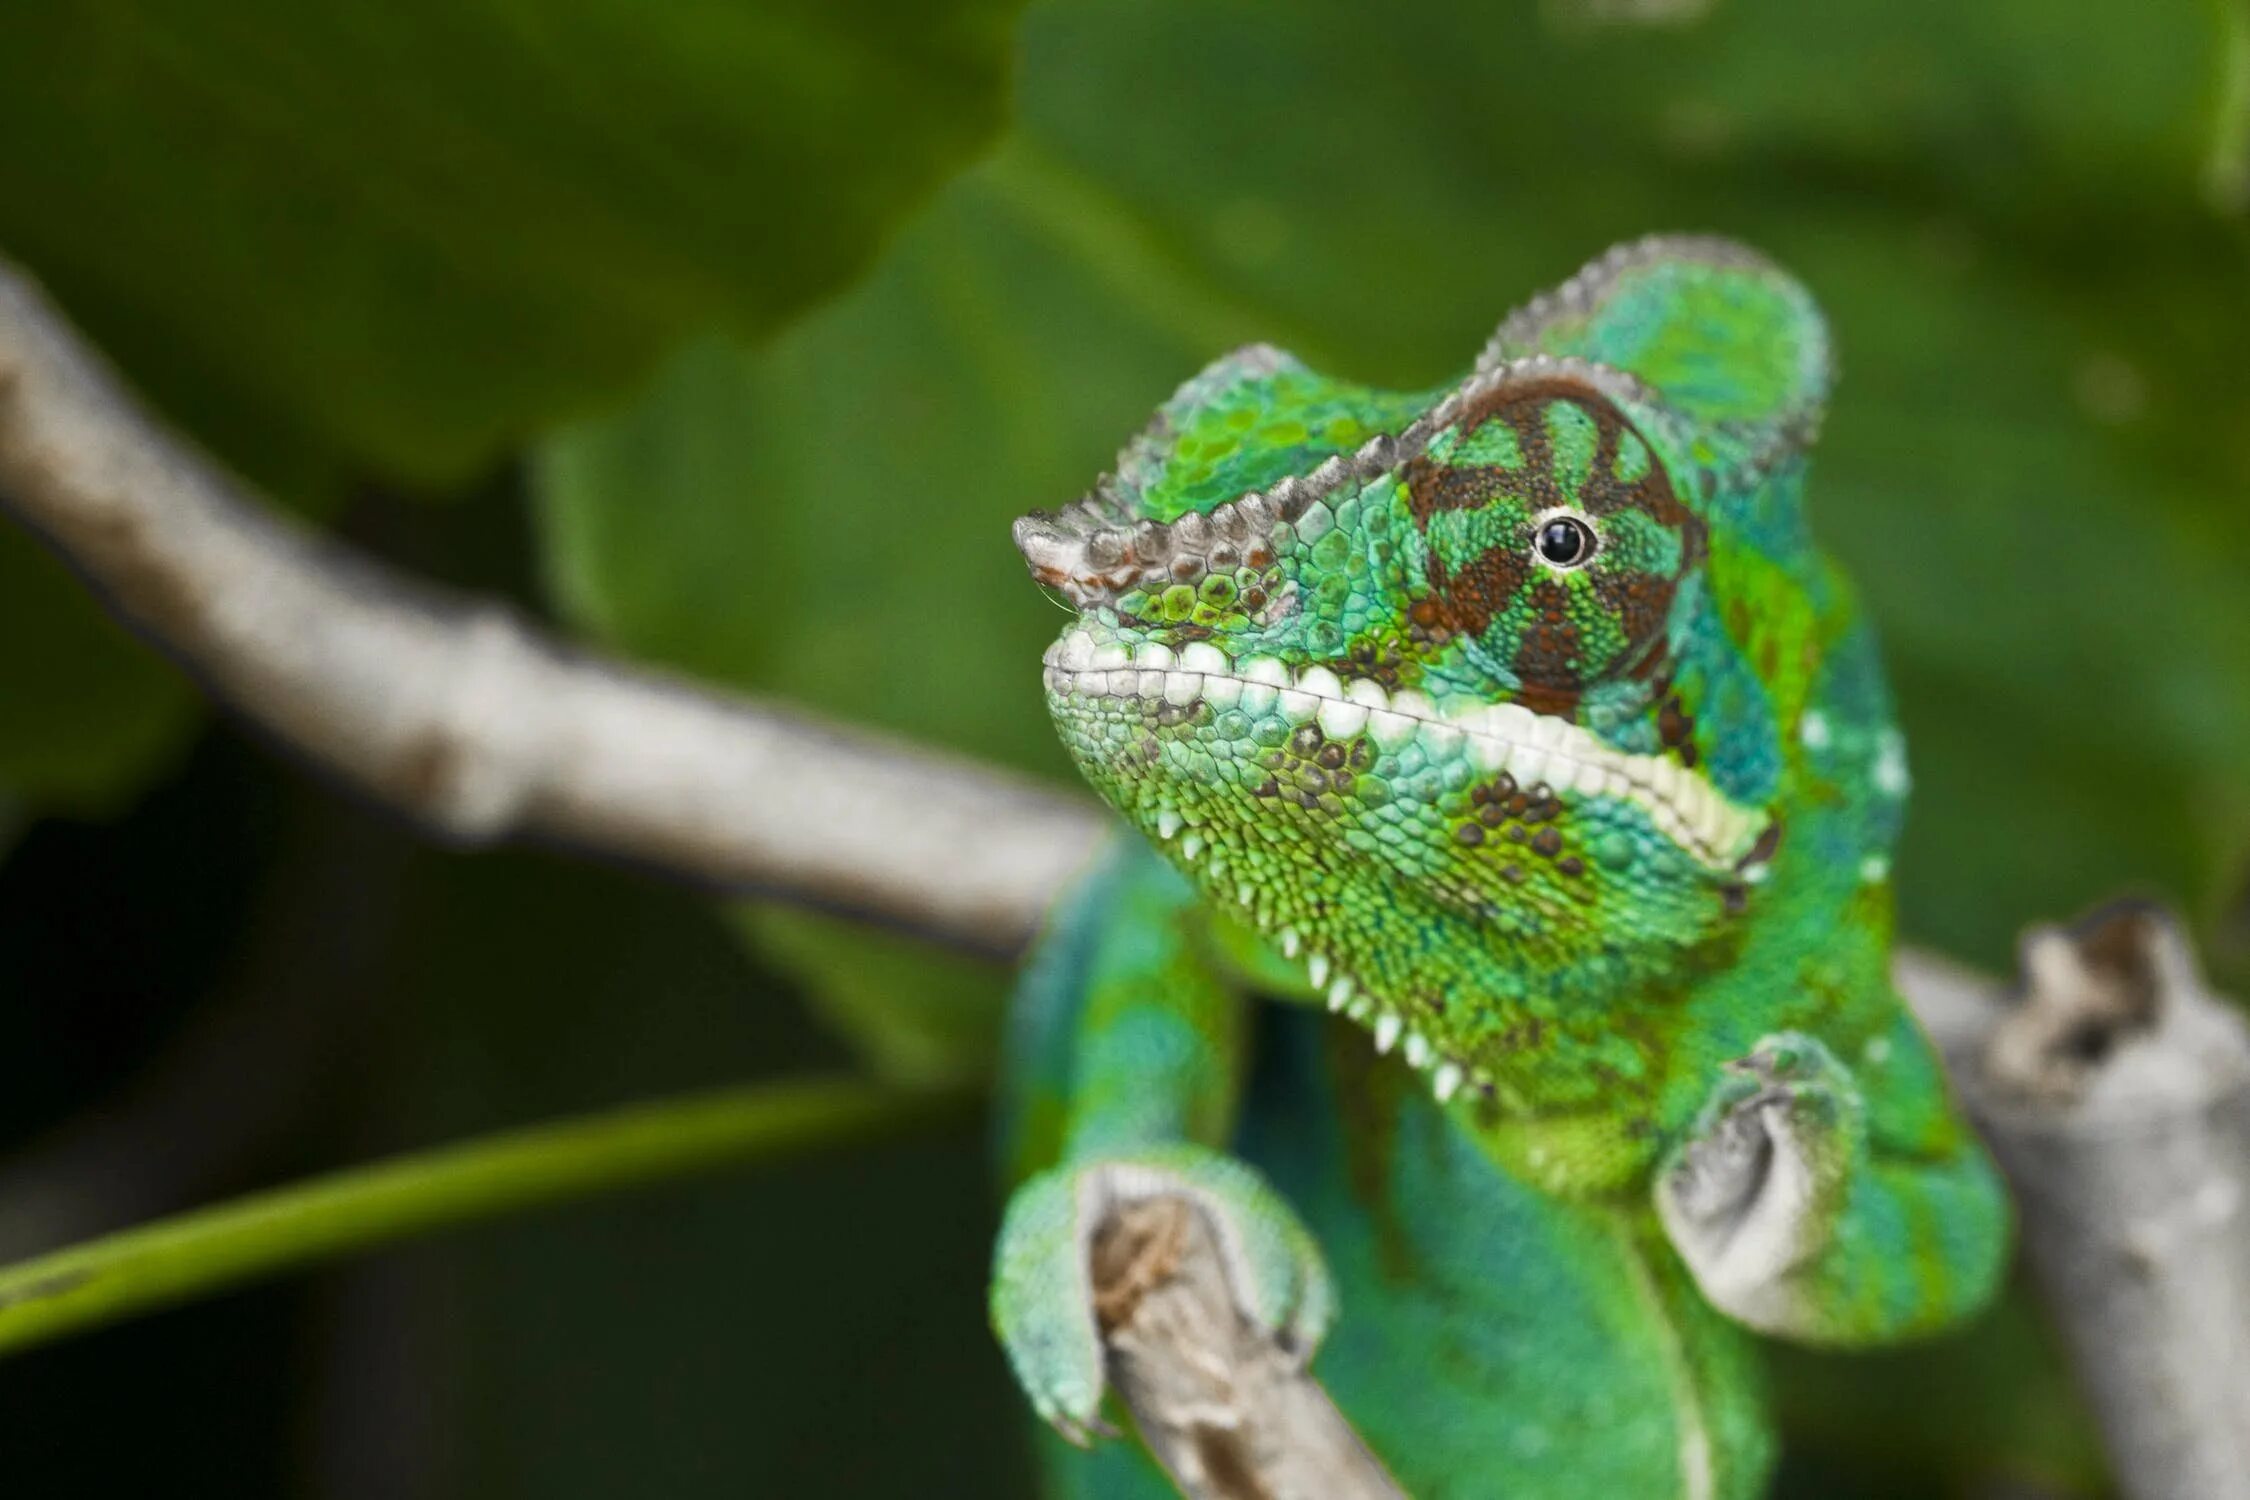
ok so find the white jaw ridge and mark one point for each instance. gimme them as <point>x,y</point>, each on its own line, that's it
<point>1532,748</point>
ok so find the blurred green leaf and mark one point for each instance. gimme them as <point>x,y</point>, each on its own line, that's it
<point>404,235</point>
<point>2034,467</point>
<point>918,1016</point>
<point>89,712</point>
<point>1990,1406</point>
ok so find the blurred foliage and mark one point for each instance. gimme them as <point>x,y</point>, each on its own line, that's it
<point>364,252</point>
<point>90,712</point>
<point>339,241</point>
<point>730,1337</point>
<point>912,1013</point>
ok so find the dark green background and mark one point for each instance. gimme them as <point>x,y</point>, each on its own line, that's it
<point>729,335</point>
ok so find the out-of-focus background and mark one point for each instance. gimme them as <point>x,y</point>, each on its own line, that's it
<point>729,335</point>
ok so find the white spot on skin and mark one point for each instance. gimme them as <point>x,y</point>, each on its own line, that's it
<point>1891,778</point>
<point>1387,1029</point>
<point>1202,656</point>
<point>1340,720</point>
<point>1874,869</point>
<point>1446,1081</point>
<point>1812,730</point>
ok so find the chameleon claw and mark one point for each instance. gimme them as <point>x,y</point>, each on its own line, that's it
<point>1074,1432</point>
<point>1775,1061</point>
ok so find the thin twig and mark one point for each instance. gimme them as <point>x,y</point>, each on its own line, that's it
<point>171,1260</point>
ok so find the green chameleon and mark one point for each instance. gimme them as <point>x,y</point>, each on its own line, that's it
<point>1523,724</point>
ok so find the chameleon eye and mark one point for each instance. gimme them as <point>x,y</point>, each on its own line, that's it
<point>1565,542</point>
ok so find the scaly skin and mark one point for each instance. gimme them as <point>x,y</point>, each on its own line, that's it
<point>1523,723</point>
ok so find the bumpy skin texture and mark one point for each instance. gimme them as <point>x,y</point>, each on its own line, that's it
<point>1523,724</point>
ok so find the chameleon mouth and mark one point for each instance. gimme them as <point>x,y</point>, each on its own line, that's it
<point>1537,750</point>
<point>1543,754</point>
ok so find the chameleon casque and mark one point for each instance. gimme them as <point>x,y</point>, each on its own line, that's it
<point>1523,724</point>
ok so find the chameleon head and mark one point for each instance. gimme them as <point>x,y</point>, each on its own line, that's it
<point>1433,690</point>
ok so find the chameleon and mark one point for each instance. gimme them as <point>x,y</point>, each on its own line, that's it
<point>1500,955</point>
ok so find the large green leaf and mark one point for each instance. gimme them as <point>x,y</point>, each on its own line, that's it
<point>340,241</point>
<point>412,232</point>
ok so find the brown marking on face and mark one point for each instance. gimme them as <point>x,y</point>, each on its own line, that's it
<point>1433,487</point>
<point>1673,725</point>
<point>1643,602</point>
<point>1769,841</point>
<point>1467,597</point>
<point>1550,648</point>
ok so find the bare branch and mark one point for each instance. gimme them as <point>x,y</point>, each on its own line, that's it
<point>457,714</point>
<point>2117,1097</point>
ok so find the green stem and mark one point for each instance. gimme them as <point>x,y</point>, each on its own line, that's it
<point>103,1280</point>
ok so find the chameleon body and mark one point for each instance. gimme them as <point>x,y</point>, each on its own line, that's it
<point>1519,731</point>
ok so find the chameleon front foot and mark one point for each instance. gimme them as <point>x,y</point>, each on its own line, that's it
<point>1042,1291</point>
<point>1754,1195</point>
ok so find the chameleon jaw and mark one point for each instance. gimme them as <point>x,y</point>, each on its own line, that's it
<point>1533,748</point>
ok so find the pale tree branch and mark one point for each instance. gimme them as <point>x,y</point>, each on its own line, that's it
<point>2115,1091</point>
<point>457,714</point>
<point>2116,1094</point>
